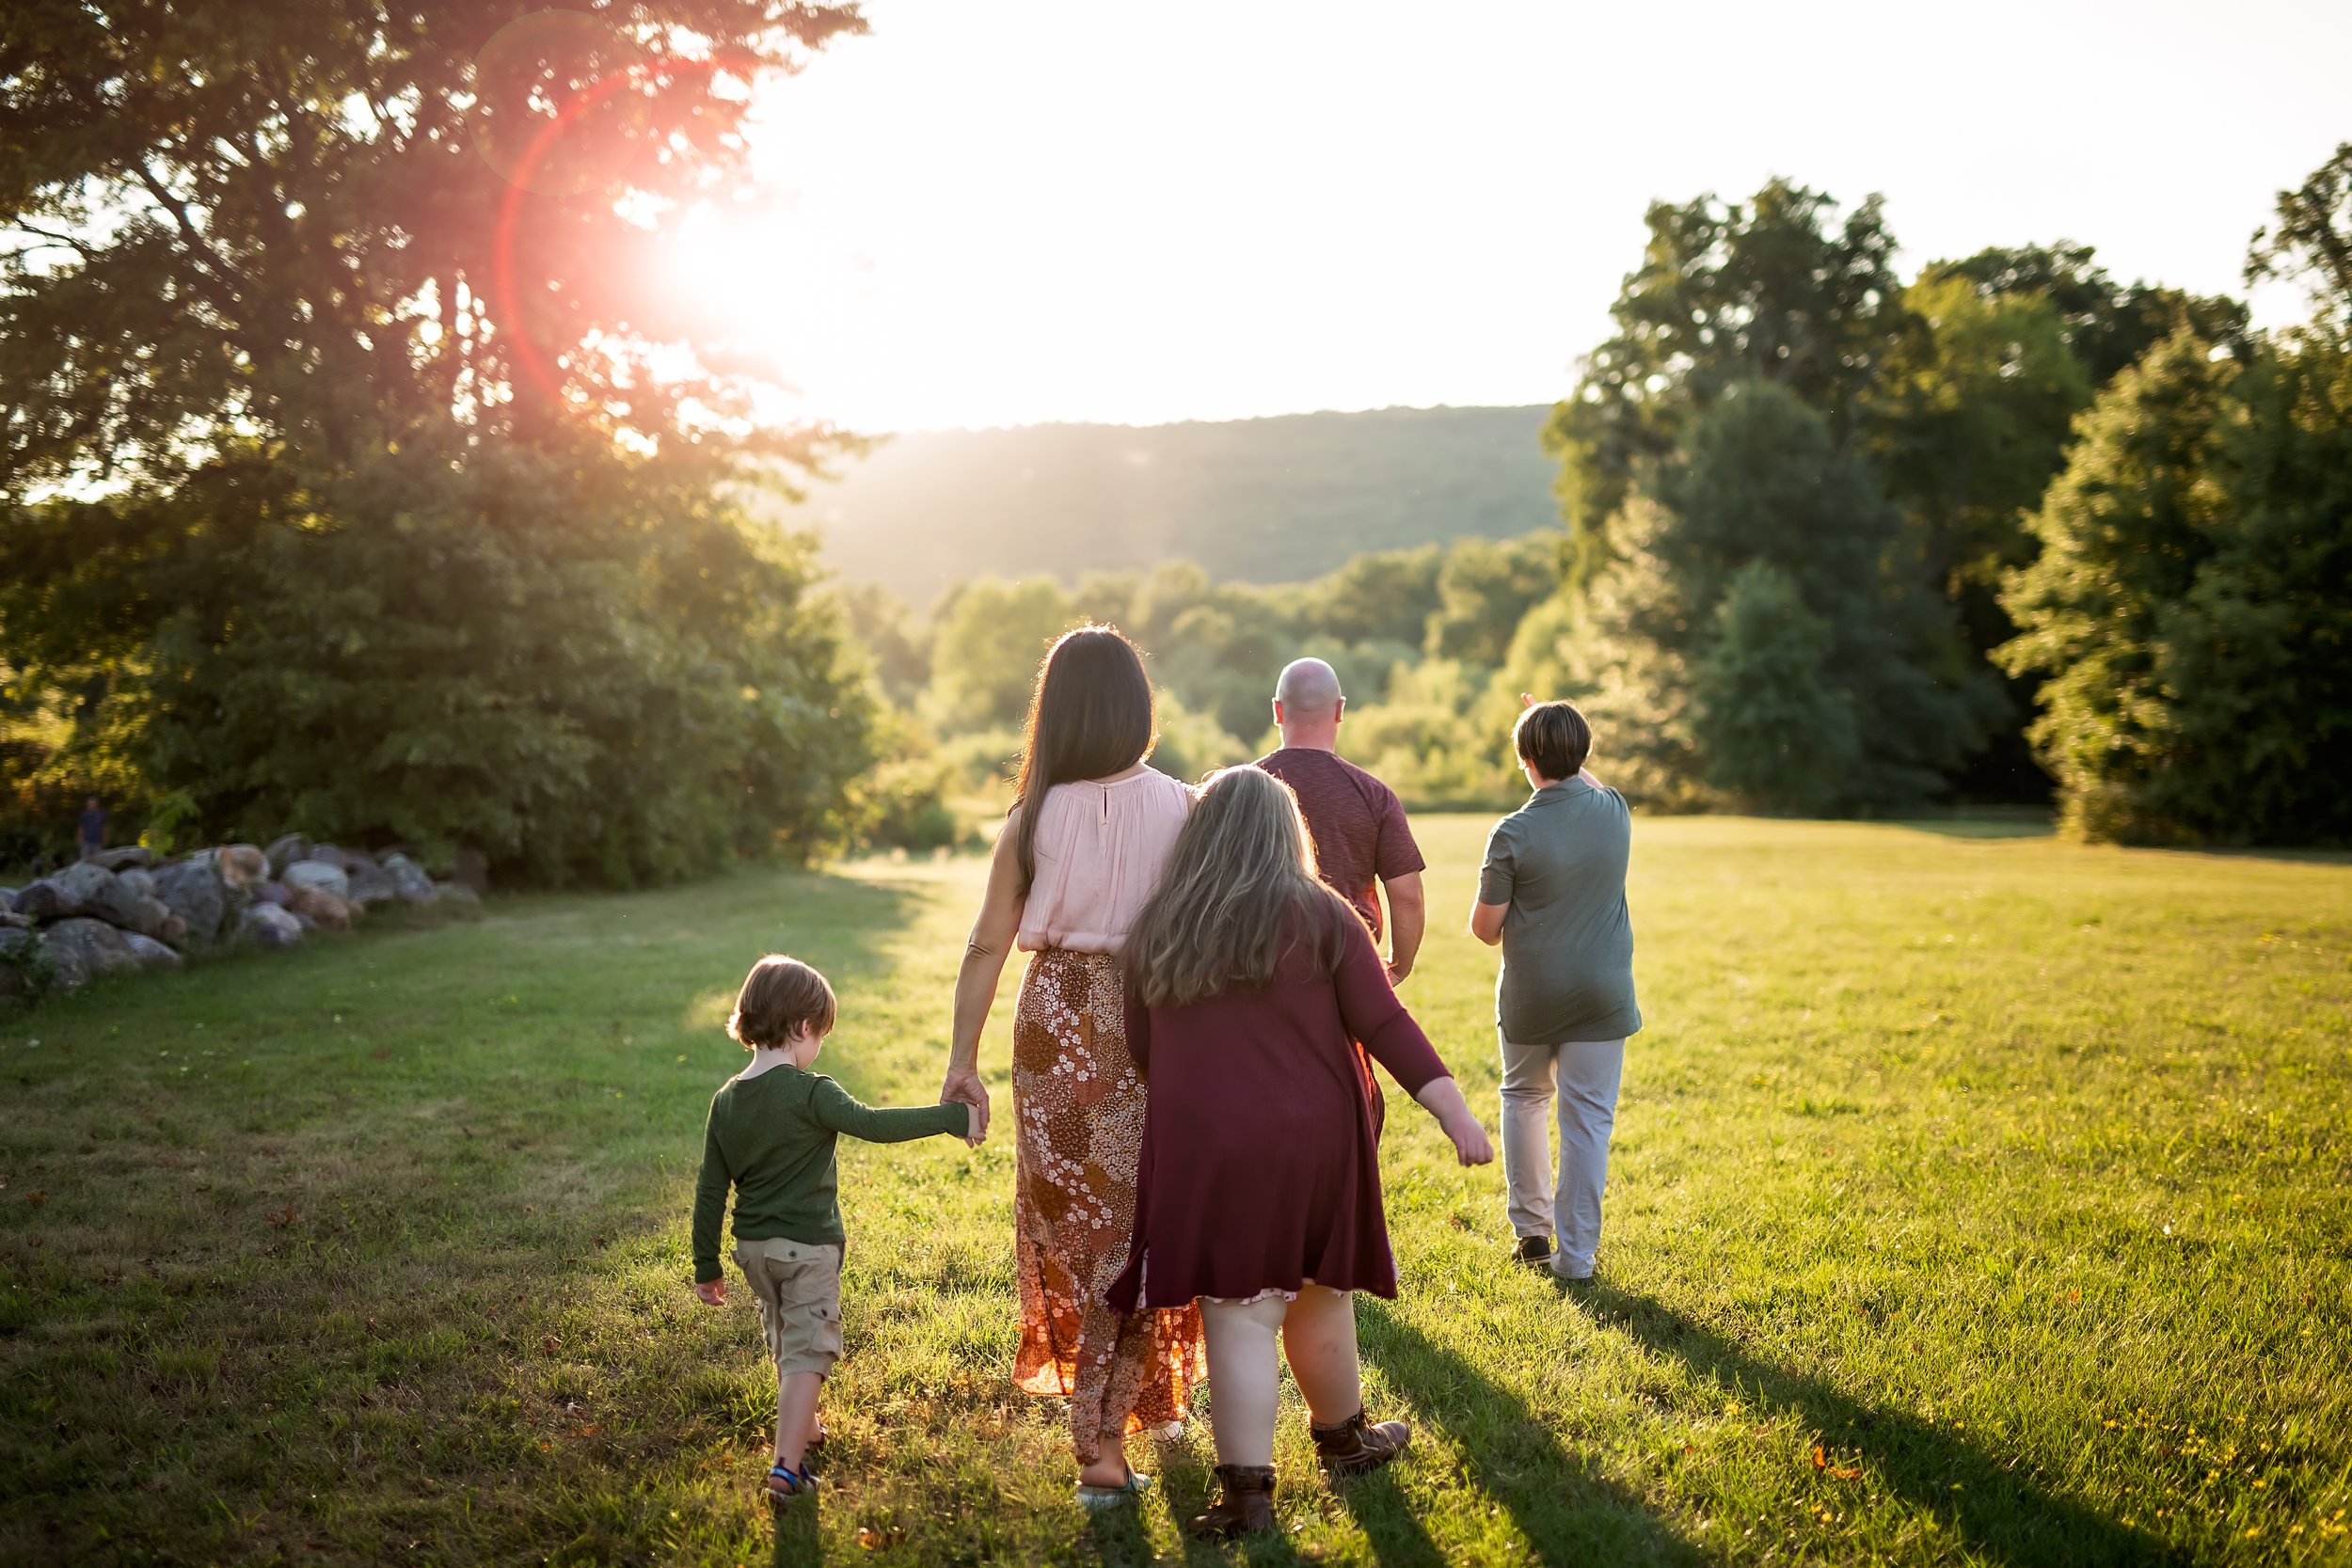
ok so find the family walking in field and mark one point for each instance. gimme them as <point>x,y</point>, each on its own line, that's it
<point>1196,1114</point>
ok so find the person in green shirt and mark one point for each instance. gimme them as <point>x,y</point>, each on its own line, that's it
<point>771,1137</point>
<point>1552,894</point>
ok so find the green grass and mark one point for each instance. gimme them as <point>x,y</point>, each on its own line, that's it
<point>1976,1199</point>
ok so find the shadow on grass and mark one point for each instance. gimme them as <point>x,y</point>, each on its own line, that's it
<point>800,1531</point>
<point>1997,1514</point>
<point>1568,1514</point>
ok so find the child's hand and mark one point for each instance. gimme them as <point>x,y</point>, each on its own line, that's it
<point>713,1292</point>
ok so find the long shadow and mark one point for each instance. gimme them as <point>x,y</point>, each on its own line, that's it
<point>800,1532</point>
<point>1567,1512</point>
<point>1385,1514</point>
<point>1992,1511</point>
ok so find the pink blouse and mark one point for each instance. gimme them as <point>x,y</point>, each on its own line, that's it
<point>1101,850</point>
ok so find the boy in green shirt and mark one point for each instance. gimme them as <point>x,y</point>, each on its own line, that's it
<point>771,1137</point>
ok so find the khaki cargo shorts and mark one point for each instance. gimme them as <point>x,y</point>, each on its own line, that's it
<point>797,1285</point>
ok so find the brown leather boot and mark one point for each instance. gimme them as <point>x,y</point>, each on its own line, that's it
<point>1246,1506</point>
<point>1356,1446</point>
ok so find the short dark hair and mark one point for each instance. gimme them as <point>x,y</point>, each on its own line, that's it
<point>1090,716</point>
<point>779,996</point>
<point>1553,739</point>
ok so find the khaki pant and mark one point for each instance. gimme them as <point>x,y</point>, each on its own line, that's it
<point>1582,1078</point>
<point>797,1287</point>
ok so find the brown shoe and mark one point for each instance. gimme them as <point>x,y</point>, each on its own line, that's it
<point>1246,1509</point>
<point>1356,1446</point>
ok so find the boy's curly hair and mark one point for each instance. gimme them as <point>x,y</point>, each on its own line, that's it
<point>779,996</point>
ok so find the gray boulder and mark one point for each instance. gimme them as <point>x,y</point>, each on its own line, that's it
<point>150,954</point>
<point>103,895</point>
<point>8,899</point>
<point>328,854</point>
<point>16,922</point>
<point>130,857</point>
<point>175,932</point>
<point>138,881</point>
<point>319,877</point>
<point>455,893</point>
<point>371,884</point>
<point>191,889</point>
<point>47,900</point>
<point>268,892</point>
<point>266,925</point>
<point>283,852</point>
<point>83,949</point>
<point>409,882</point>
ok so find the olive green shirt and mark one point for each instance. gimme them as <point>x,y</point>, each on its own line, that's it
<point>771,1137</point>
<point>1567,942</point>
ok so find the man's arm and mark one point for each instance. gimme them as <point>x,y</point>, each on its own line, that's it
<point>1409,916</point>
<point>1485,922</point>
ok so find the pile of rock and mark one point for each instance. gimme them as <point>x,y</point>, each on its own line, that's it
<point>120,910</point>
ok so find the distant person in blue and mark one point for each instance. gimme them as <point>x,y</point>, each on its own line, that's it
<point>1552,896</point>
<point>93,827</point>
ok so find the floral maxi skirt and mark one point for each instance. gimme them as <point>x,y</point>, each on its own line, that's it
<point>1078,1104</point>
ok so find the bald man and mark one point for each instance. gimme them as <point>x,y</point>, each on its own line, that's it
<point>1357,822</point>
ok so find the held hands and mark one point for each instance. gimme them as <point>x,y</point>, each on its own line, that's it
<point>713,1292</point>
<point>963,1084</point>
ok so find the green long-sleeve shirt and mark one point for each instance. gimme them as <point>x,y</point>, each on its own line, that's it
<point>771,1139</point>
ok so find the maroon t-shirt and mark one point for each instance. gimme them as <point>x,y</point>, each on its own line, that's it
<point>1358,823</point>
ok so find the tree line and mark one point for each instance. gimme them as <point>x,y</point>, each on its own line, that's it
<point>1840,543</point>
<point>358,478</point>
<point>1835,543</point>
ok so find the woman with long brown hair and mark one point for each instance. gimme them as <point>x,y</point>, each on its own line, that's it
<point>1083,849</point>
<point>1259,1193</point>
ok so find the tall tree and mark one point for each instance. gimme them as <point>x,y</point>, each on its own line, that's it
<point>1761,481</point>
<point>330,332</point>
<point>2189,605</point>
<point>1778,288</point>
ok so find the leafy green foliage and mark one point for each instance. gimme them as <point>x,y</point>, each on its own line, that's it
<point>1776,289</point>
<point>1779,727</point>
<point>1758,479</point>
<point>2190,607</point>
<point>367,511</point>
<point>1429,724</point>
<point>583,667</point>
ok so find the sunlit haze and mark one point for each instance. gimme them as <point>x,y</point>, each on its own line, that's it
<point>1072,210</point>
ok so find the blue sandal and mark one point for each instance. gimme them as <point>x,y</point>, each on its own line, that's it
<point>783,1483</point>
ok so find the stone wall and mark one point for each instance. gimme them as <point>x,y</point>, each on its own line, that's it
<point>122,911</point>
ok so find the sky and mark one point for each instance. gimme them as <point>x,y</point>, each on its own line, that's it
<point>1104,210</point>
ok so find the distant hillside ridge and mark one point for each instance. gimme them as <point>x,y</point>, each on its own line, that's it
<point>1278,499</point>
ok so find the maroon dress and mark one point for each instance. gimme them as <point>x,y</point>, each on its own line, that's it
<point>1259,1169</point>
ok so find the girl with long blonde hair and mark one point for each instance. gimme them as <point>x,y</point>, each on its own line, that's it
<point>1257,1194</point>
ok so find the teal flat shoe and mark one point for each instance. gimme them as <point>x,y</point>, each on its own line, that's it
<point>1112,1497</point>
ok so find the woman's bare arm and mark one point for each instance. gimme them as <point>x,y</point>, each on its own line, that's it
<point>984,955</point>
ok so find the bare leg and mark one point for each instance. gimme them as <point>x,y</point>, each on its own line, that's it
<point>1110,1463</point>
<point>1319,1340</point>
<point>796,1416</point>
<point>1243,1377</point>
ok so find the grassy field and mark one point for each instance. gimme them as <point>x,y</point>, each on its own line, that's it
<point>1976,1199</point>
